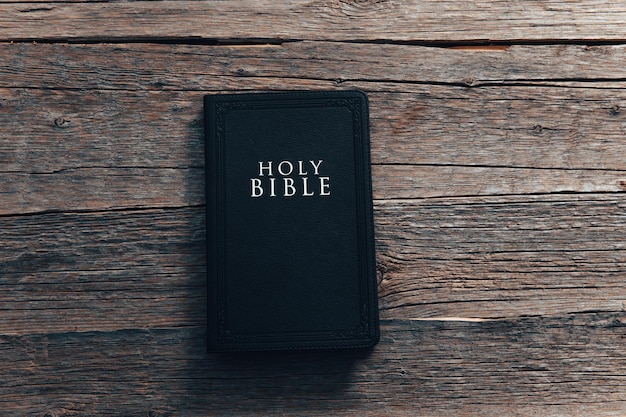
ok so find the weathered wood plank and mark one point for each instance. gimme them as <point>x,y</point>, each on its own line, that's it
<point>534,366</point>
<point>103,270</point>
<point>504,257</point>
<point>507,127</point>
<point>411,181</point>
<point>96,150</point>
<point>205,67</point>
<point>410,21</point>
<point>46,131</point>
<point>549,127</point>
<point>95,188</point>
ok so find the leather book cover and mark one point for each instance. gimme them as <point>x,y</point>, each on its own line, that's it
<point>291,260</point>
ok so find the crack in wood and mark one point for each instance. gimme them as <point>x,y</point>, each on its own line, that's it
<point>36,9</point>
<point>130,209</point>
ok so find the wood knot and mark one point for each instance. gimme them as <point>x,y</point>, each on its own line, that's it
<point>358,8</point>
<point>537,129</point>
<point>382,268</point>
<point>242,72</point>
<point>366,3</point>
<point>61,122</point>
<point>470,82</point>
<point>615,109</point>
<point>622,184</point>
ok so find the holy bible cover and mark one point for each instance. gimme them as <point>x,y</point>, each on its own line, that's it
<point>291,262</point>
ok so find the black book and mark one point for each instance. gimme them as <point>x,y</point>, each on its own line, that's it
<point>291,261</point>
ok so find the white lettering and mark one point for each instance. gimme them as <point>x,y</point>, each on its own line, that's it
<point>290,184</point>
<point>272,187</point>
<point>305,187</point>
<point>324,185</point>
<point>316,166</point>
<point>280,169</point>
<point>268,168</point>
<point>290,190</point>
<point>301,170</point>
<point>257,190</point>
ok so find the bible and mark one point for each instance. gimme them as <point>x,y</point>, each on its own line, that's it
<point>290,235</point>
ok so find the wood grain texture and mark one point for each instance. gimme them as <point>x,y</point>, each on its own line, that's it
<point>508,257</point>
<point>478,258</point>
<point>499,178</point>
<point>226,67</point>
<point>104,270</point>
<point>422,147</point>
<point>420,368</point>
<point>373,20</point>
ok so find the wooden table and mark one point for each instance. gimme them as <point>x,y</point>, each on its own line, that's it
<point>498,149</point>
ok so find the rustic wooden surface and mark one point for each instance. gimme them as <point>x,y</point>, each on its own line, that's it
<point>498,143</point>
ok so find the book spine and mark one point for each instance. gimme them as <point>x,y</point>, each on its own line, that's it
<point>211,218</point>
